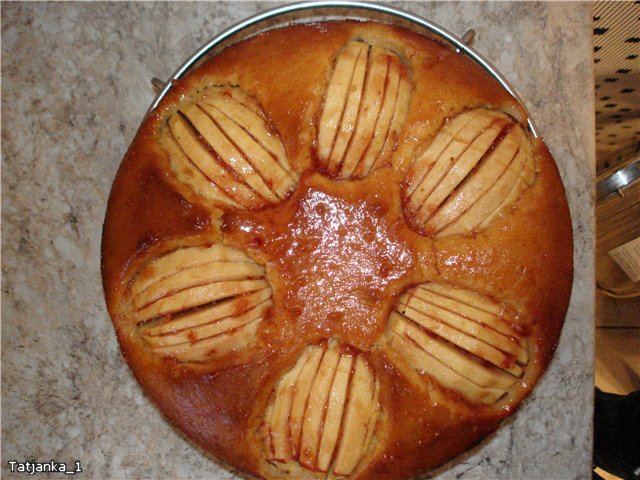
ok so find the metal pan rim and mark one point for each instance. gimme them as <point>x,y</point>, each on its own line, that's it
<point>316,7</point>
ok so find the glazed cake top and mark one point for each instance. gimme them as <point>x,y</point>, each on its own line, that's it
<point>334,250</point>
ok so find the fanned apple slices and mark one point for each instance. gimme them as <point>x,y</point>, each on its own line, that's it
<point>463,340</point>
<point>365,106</point>
<point>199,303</point>
<point>478,164</point>
<point>222,147</point>
<point>323,412</point>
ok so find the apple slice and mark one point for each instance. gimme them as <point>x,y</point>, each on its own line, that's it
<point>425,162</point>
<point>336,97</point>
<point>279,418</point>
<point>468,311</point>
<point>491,201</point>
<point>356,419</point>
<point>397,122</point>
<point>206,315</point>
<point>373,419</point>
<point>197,296</point>
<point>188,172</point>
<point>276,178</point>
<point>403,341</point>
<point>227,151</point>
<point>383,123</point>
<point>476,330</point>
<point>465,296</point>
<point>208,330</point>
<point>422,301</point>
<point>213,347</point>
<point>302,391</point>
<point>316,407</point>
<point>197,276</point>
<point>460,142</point>
<point>350,114</point>
<point>400,112</point>
<point>515,191</point>
<point>183,258</point>
<point>425,363</point>
<point>529,171</point>
<point>331,401</point>
<point>477,184</point>
<point>525,180</point>
<point>202,158</point>
<point>467,367</point>
<point>457,337</point>
<point>461,167</point>
<point>245,113</point>
<point>334,414</point>
<point>265,428</point>
<point>369,109</point>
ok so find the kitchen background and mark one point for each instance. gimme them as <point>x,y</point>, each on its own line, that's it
<point>616,46</point>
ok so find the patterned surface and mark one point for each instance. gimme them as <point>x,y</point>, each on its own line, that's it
<point>616,40</point>
<point>75,87</point>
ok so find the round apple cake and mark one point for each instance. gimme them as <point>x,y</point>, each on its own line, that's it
<point>335,250</point>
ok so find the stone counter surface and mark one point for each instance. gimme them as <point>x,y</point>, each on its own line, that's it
<point>75,86</point>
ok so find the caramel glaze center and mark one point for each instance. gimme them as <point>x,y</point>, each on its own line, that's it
<point>338,253</point>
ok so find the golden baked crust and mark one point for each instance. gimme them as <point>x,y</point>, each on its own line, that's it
<point>334,250</point>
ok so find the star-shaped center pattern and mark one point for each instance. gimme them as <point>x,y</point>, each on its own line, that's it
<point>341,250</point>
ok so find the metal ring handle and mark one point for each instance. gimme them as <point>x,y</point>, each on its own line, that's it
<point>619,179</point>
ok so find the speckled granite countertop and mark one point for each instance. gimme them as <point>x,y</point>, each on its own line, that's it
<point>75,85</point>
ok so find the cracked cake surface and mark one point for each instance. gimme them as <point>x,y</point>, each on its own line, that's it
<point>335,250</point>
